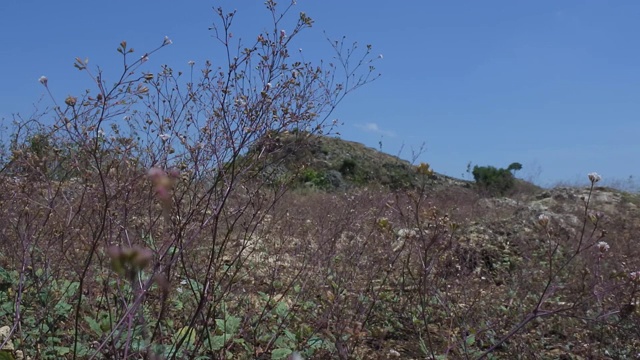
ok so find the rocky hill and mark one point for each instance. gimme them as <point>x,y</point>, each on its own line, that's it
<point>330,163</point>
<point>530,254</point>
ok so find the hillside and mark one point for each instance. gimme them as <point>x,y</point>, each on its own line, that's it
<point>330,163</point>
<point>356,254</point>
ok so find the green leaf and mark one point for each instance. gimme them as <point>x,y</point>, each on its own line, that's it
<point>280,353</point>
<point>217,342</point>
<point>6,355</point>
<point>471,339</point>
<point>62,350</point>
<point>93,325</point>
<point>290,335</point>
<point>282,309</point>
<point>228,325</point>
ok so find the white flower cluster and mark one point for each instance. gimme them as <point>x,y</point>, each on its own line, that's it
<point>407,233</point>
<point>543,219</point>
<point>603,247</point>
<point>594,177</point>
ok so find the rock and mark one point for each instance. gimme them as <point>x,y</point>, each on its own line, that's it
<point>543,195</point>
<point>5,332</point>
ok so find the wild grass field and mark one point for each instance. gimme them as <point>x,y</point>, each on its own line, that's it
<point>213,215</point>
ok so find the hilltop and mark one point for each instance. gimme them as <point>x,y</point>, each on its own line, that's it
<point>331,163</point>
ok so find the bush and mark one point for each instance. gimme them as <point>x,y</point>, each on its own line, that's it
<point>496,181</point>
<point>134,214</point>
<point>317,178</point>
<point>348,167</point>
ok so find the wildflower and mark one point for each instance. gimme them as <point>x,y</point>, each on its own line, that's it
<point>43,80</point>
<point>594,177</point>
<point>268,86</point>
<point>407,234</point>
<point>162,184</point>
<point>144,58</point>
<point>543,220</point>
<point>164,137</point>
<point>191,62</point>
<point>603,247</point>
<point>380,56</point>
<point>155,173</point>
<point>283,34</point>
<point>167,41</point>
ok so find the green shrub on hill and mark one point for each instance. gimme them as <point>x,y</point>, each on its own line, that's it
<point>495,181</point>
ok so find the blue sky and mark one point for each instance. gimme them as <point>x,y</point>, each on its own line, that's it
<point>554,85</point>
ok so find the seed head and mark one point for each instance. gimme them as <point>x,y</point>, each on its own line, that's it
<point>543,220</point>
<point>603,247</point>
<point>594,177</point>
<point>70,101</point>
<point>43,80</point>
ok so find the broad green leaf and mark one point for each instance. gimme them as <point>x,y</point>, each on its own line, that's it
<point>93,325</point>
<point>62,350</point>
<point>471,339</point>
<point>280,353</point>
<point>217,342</point>
<point>282,309</point>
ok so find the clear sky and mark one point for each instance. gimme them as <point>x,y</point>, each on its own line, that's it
<point>554,85</point>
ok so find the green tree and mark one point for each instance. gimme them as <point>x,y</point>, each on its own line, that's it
<point>513,167</point>
<point>495,181</point>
